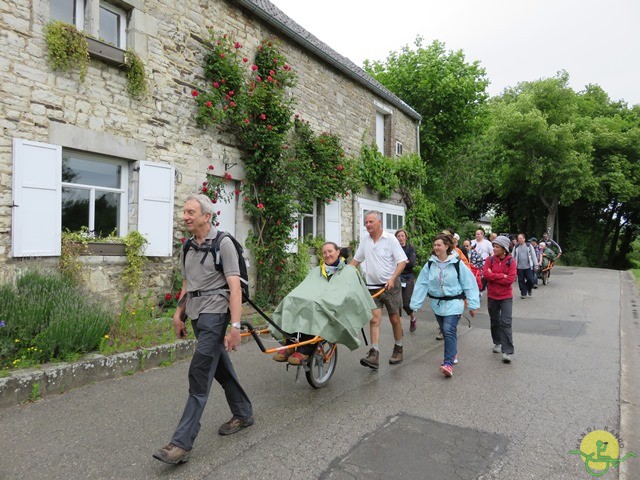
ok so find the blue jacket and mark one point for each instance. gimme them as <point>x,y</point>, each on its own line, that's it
<point>444,282</point>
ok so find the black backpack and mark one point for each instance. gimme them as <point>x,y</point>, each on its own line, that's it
<point>214,248</point>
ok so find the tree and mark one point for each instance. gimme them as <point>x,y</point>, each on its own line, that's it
<point>543,146</point>
<point>447,91</point>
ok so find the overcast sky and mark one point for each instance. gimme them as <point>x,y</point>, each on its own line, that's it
<point>515,40</point>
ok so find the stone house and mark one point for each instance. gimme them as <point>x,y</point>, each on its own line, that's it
<point>86,153</point>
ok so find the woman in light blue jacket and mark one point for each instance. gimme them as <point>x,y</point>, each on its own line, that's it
<point>447,282</point>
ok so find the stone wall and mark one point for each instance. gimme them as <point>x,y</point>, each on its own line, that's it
<point>37,103</point>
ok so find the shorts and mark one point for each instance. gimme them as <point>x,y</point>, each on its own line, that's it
<point>390,299</point>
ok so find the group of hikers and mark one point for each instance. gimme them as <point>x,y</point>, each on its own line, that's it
<point>334,302</point>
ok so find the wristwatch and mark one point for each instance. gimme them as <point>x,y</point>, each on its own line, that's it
<point>236,325</point>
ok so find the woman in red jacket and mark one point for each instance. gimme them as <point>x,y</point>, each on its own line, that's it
<point>500,272</point>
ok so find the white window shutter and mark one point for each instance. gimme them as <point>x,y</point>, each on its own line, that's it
<point>292,247</point>
<point>36,218</point>
<point>332,225</point>
<point>227,216</point>
<point>155,208</point>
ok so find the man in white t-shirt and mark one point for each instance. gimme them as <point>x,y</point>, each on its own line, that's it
<point>385,262</point>
<point>483,246</point>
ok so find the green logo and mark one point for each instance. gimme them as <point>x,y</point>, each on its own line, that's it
<point>600,450</point>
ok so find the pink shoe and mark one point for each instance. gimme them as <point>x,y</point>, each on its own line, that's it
<point>447,370</point>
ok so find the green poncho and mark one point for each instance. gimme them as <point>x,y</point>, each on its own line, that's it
<point>334,309</point>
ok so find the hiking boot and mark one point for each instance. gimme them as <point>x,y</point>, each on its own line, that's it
<point>413,325</point>
<point>439,335</point>
<point>282,355</point>
<point>506,358</point>
<point>296,358</point>
<point>372,360</point>
<point>446,370</point>
<point>396,357</point>
<point>172,454</point>
<point>497,348</point>
<point>235,425</point>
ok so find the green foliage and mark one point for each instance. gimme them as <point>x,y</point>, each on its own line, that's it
<point>377,171</point>
<point>286,168</point>
<point>35,392</point>
<point>137,326</point>
<point>136,76</point>
<point>68,48</point>
<point>447,91</point>
<point>46,318</point>
<point>73,245</point>
<point>133,245</point>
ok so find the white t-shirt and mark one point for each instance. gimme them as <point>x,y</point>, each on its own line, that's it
<point>484,247</point>
<point>382,257</point>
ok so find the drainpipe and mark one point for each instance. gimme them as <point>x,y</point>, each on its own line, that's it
<point>354,228</point>
<point>418,136</point>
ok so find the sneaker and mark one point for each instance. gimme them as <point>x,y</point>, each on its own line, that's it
<point>497,348</point>
<point>523,296</point>
<point>506,358</point>
<point>282,356</point>
<point>372,360</point>
<point>235,425</point>
<point>446,369</point>
<point>396,357</point>
<point>296,358</point>
<point>455,360</point>
<point>529,293</point>
<point>439,336</point>
<point>172,454</point>
<point>413,325</point>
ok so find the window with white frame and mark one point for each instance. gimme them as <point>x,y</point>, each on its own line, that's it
<point>71,189</point>
<point>307,223</point>
<point>113,25</point>
<point>383,116</point>
<point>392,215</point>
<point>94,193</point>
<point>68,11</point>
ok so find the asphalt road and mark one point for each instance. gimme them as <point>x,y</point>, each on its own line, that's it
<point>490,421</point>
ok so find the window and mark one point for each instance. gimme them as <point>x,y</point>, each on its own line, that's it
<point>398,148</point>
<point>113,25</point>
<point>307,223</point>
<point>68,11</point>
<point>383,126</point>
<point>94,193</point>
<point>392,215</point>
<point>55,189</point>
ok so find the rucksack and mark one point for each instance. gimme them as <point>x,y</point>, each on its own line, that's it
<point>214,248</point>
<point>508,261</point>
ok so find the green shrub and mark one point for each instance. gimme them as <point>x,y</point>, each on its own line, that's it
<point>48,318</point>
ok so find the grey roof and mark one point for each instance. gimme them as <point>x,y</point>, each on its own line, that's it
<point>275,17</point>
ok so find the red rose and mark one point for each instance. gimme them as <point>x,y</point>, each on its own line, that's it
<point>245,59</point>
<point>223,81</point>
<point>182,240</point>
<point>271,72</point>
<point>210,167</point>
<point>275,60</point>
<point>260,206</point>
<point>209,104</point>
<point>231,92</point>
<point>214,200</point>
<point>216,85</point>
<point>260,262</point>
<point>270,78</point>
<point>225,108</point>
<point>340,167</point>
<point>227,175</point>
<point>178,295</point>
<point>237,45</point>
<point>269,127</point>
<point>263,116</point>
<point>236,191</point>
<point>218,212</point>
<point>246,120</point>
<point>278,268</point>
<point>168,296</point>
<point>195,93</point>
<point>205,189</point>
<point>287,67</point>
<point>204,184</point>
<point>232,104</point>
<point>221,55</point>
<point>227,97</point>
<point>259,78</point>
<point>254,67</point>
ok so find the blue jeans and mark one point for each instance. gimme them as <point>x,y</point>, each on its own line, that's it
<point>525,280</point>
<point>449,327</point>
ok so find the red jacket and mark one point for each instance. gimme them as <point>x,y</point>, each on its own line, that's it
<point>500,275</point>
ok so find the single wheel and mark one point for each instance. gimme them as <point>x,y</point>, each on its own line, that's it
<point>545,277</point>
<point>319,372</point>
